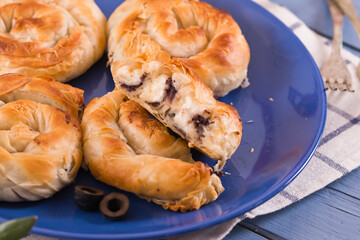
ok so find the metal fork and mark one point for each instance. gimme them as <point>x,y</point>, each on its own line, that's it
<point>334,71</point>
<point>348,8</point>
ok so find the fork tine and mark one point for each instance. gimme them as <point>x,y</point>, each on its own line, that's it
<point>331,84</point>
<point>341,83</point>
<point>349,86</point>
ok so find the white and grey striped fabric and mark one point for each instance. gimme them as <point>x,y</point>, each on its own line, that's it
<point>338,152</point>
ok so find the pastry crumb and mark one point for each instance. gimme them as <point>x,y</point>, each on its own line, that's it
<point>250,121</point>
<point>231,103</point>
<point>227,173</point>
<point>245,83</point>
<point>271,99</point>
<point>252,150</point>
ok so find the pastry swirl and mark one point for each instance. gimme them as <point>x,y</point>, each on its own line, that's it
<point>40,137</point>
<point>40,150</point>
<point>56,38</point>
<point>190,32</point>
<point>167,86</point>
<point>126,148</point>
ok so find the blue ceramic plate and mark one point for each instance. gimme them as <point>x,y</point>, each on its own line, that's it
<point>284,134</point>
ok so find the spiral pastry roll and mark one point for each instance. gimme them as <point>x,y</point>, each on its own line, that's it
<point>192,32</point>
<point>144,69</point>
<point>40,144</point>
<point>56,38</point>
<point>126,148</point>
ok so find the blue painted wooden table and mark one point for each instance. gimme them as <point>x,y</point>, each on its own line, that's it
<point>334,211</point>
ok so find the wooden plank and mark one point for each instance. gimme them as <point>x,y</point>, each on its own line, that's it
<point>326,214</point>
<point>333,212</point>
<point>260,231</point>
<point>239,232</point>
<point>349,185</point>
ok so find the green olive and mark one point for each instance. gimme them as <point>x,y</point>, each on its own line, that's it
<point>17,228</point>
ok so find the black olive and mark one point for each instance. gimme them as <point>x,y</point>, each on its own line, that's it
<point>87,197</point>
<point>114,206</point>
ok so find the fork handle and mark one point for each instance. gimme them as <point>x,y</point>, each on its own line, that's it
<point>337,18</point>
<point>348,8</point>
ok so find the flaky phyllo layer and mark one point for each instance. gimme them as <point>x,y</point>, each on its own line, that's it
<point>171,57</point>
<point>50,38</point>
<point>126,148</point>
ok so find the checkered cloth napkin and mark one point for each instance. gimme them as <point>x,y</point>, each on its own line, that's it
<point>338,152</point>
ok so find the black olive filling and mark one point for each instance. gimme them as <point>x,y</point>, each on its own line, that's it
<point>154,104</point>
<point>199,123</point>
<point>132,88</point>
<point>170,90</point>
<point>169,114</point>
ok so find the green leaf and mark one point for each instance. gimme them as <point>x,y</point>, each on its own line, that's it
<point>16,228</point>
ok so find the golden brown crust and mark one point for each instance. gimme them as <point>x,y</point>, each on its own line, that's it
<point>57,38</point>
<point>147,136</point>
<point>146,41</point>
<point>42,90</point>
<point>110,153</point>
<point>192,32</point>
<point>40,150</point>
<point>181,101</point>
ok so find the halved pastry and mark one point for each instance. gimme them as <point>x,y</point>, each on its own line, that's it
<point>178,99</point>
<point>126,148</point>
<point>56,38</point>
<point>40,137</point>
<point>146,41</point>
